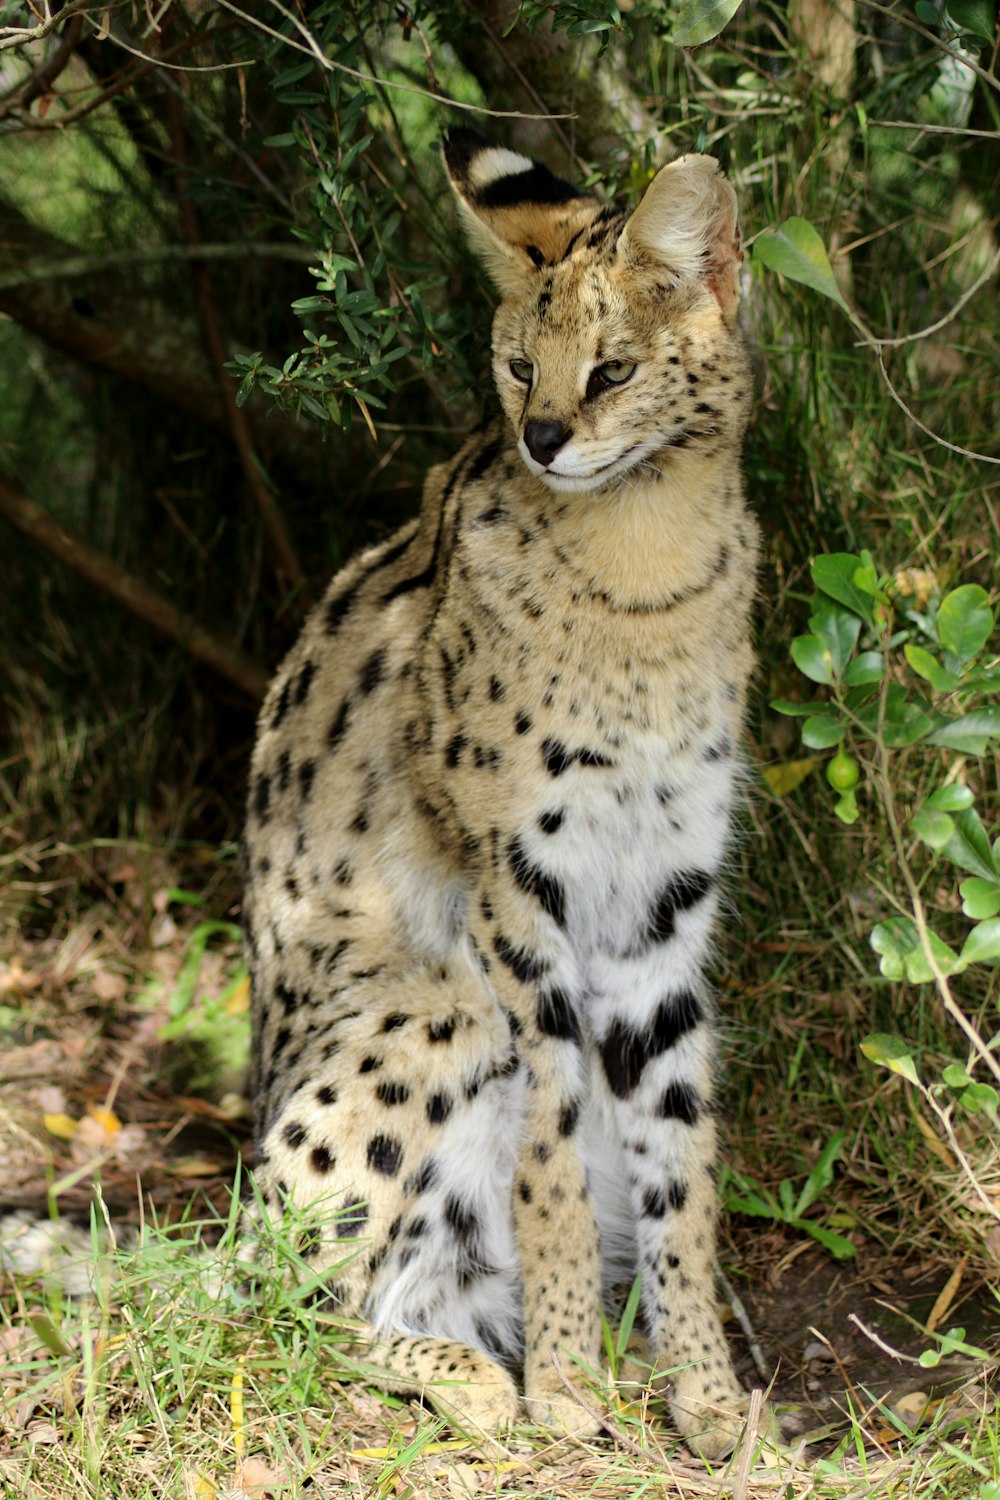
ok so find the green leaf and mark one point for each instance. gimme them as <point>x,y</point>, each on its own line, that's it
<point>934,828</point>
<point>839,1247</point>
<point>795,250</point>
<point>952,798</point>
<point>245,388</point>
<point>820,732</point>
<point>838,629</point>
<point>956,1077</point>
<point>821,1176</point>
<point>980,898</point>
<point>835,574</point>
<point>974,16</point>
<point>901,955</point>
<point>980,1098</point>
<point>930,669</point>
<point>930,1358</point>
<point>698,21</point>
<point>812,658</point>
<point>802,710</point>
<point>48,1333</point>
<point>905,721</point>
<point>982,946</point>
<point>868,667</point>
<point>965,620</point>
<point>969,847</point>
<point>971,733</point>
<point>786,1198</point>
<point>890,1051</point>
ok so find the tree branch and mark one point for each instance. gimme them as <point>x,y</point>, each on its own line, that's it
<point>131,592</point>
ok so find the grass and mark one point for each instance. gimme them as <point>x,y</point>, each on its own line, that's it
<point>167,1383</point>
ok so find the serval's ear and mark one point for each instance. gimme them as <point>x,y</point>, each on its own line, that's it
<point>686,225</point>
<point>518,216</point>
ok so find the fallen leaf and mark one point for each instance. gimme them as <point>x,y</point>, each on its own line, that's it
<point>912,1408</point>
<point>257,1480</point>
<point>784,778</point>
<point>193,1166</point>
<point>107,1119</point>
<point>62,1126</point>
<point>946,1296</point>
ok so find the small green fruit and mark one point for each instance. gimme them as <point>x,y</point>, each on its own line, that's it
<point>842,772</point>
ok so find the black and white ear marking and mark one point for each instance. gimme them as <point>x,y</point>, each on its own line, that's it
<point>686,224</point>
<point>518,215</point>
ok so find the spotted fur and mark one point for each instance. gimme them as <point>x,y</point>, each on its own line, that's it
<point>489,808</point>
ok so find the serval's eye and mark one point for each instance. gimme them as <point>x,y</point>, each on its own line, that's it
<point>617,371</point>
<point>523,370</point>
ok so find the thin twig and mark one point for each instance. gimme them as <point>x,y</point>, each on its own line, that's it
<point>952,313</point>
<point>20,36</point>
<point>986,135</point>
<point>910,1359</point>
<point>743,1319</point>
<point>312,49</point>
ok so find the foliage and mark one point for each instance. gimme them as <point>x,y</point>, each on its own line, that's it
<point>905,672</point>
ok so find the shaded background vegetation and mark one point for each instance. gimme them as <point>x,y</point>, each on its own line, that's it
<point>203,202</point>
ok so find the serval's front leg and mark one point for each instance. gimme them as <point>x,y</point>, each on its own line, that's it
<point>658,1049</point>
<point>555,1226</point>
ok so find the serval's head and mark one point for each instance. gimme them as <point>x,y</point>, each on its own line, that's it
<point>616,342</point>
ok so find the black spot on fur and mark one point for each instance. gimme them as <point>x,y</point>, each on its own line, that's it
<point>556,757</point>
<point>677,1195</point>
<point>423,1178</point>
<point>307,773</point>
<point>340,721</point>
<point>679,1101</point>
<point>679,894</point>
<point>394,1021</point>
<point>281,707</point>
<point>453,750</point>
<point>322,1160</point>
<point>372,673</point>
<point>294,1134</point>
<point>352,1218</point>
<point>370,1064</point>
<point>439,1107</point>
<point>551,822</point>
<point>534,881</point>
<point>392,1093</point>
<point>497,690</point>
<point>654,1204</point>
<point>460,1219</point>
<point>283,770</point>
<point>326,1094</point>
<point>593,758</point>
<point>525,966</point>
<point>441,1030</point>
<point>483,461</point>
<point>569,1117</point>
<point>262,797</point>
<point>556,1016</point>
<point>524,1191</point>
<point>626,1051</point>
<point>385,1154</point>
<point>304,682</point>
<point>522,723</point>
